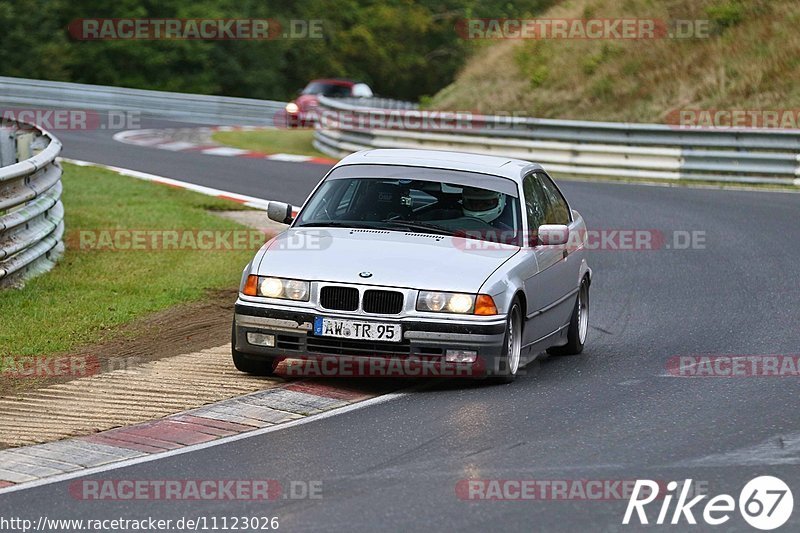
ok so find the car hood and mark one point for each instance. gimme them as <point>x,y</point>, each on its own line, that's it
<point>395,259</point>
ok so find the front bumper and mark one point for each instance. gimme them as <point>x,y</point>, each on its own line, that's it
<point>424,340</point>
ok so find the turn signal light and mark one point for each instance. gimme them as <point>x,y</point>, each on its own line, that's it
<point>484,305</point>
<point>251,285</point>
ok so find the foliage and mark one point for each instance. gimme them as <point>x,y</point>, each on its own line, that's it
<point>403,48</point>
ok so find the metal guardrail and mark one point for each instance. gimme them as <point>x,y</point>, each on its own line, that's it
<point>203,109</point>
<point>378,102</point>
<point>31,213</point>
<point>651,151</point>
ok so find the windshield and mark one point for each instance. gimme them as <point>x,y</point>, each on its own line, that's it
<point>415,205</point>
<point>327,89</point>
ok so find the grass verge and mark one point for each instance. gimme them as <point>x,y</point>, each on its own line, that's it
<point>91,292</point>
<point>284,141</point>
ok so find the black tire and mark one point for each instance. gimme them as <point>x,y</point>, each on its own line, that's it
<point>255,365</point>
<point>506,371</point>
<point>576,334</point>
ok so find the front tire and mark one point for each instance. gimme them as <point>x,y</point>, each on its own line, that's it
<point>578,325</point>
<point>509,362</point>
<point>254,365</point>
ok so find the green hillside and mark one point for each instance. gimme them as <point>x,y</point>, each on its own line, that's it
<point>749,59</point>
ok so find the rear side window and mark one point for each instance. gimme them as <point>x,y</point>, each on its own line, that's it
<point>557,210</point>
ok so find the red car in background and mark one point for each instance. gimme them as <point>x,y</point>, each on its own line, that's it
<point>302,111</point>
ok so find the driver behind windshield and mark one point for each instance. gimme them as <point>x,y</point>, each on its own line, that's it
<point>484,205</point>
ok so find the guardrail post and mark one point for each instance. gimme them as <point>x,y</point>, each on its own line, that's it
<point>8,147</point>
<point>24,141</point>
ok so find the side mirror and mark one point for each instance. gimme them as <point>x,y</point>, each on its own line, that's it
<point>553,234</point>
<point>280,212</point>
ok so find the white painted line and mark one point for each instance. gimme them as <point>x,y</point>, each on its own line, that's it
<point>249,201</point>
<point>176,146</point>
<point>196,447</point>
<point>223,150</point>
<point>163,139</point>
<point>290,157</point>
<point>134,136</point>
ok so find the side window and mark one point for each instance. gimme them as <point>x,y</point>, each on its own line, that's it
<point>557,211</point>
<point>535,203</point>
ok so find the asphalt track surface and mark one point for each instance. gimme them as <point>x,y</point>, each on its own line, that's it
<point>274,180</point>
<point>613,413</point>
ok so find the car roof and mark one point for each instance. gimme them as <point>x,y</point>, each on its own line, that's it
<point>336,81</point>
<point>506,167</point>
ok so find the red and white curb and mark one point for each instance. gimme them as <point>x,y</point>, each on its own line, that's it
<point>249,201</point>
<point>198,140</point>
<point>242,417</point>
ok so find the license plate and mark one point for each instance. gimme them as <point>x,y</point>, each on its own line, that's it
<point>357,329</point>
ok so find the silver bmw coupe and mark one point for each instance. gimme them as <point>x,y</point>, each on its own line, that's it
<point>449,259</point>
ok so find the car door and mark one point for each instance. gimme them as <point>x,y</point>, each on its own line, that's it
<point>547,288</point>
<point>566,259</point>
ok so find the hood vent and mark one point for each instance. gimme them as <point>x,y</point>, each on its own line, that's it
<point>428,235</point>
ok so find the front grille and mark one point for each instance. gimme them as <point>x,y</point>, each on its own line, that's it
<point>288,342</point>
<point>383,302</point>
<point>331,345</point>
<point>341,298</point>
<point>429,350</point>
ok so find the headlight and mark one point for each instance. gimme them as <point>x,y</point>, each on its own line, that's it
<point>445,302</point>
<point>286,289</point>
<point>271,287</point>
<point>292,108</point>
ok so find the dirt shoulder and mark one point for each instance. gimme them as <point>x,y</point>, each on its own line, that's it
<point>178,330</point>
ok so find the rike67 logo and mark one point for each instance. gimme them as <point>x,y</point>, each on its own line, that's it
<point>765,503</point>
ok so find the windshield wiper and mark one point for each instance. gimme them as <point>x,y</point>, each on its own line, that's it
<point>336,224</point>
<point>418,226</point>
<point>397,225</point>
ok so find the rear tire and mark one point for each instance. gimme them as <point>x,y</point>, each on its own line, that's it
<point>578,325</point>
<point>254,365</point>
<point>510,361</point>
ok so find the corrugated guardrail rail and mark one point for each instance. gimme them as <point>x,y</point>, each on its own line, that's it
<point>31,213</point>
<point>651,151</point>
<point>204,109</point>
